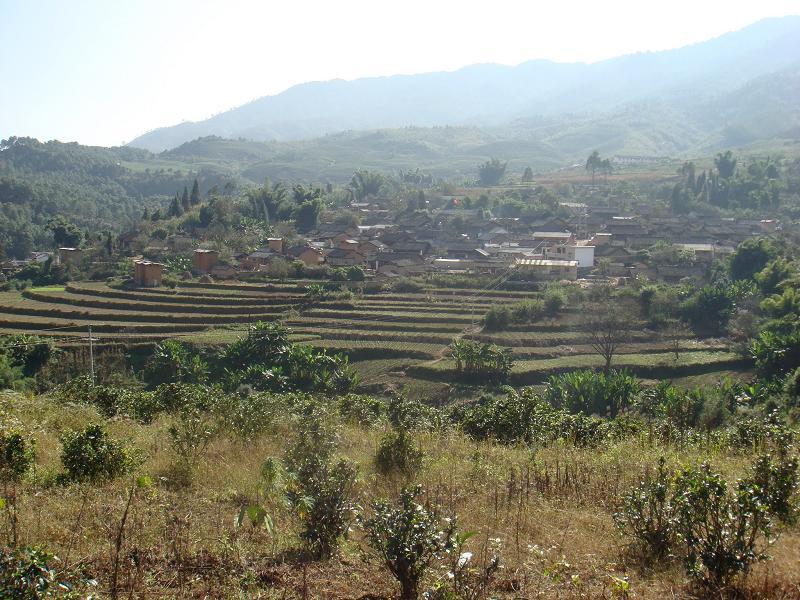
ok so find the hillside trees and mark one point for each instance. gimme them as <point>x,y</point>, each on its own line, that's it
<point>491,172</point>
<point>194,196</point>
<point>365,183</point>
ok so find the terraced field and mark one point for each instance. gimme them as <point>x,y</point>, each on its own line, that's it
<point>394,340</point>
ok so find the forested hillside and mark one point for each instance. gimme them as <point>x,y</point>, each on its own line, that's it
<point>95,188</point>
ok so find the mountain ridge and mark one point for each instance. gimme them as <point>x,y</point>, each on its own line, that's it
<point>491,95</point>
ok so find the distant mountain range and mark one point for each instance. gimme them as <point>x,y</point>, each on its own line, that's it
<point>736,89</point>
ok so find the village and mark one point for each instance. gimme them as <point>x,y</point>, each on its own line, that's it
<point>591,242</point>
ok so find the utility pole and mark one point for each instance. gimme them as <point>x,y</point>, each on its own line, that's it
<point>91,353</point>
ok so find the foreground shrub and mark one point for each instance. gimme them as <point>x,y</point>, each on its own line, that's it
<point>776,481</point>
<point>646,514</point>
<point>26,574</point>
<point>91,455</point>
<point>397,453</point>
<point>320,486</point>
<point>724,532</point>
<point>17,455</point>
<point>195,426</point>
<point>408,538</point>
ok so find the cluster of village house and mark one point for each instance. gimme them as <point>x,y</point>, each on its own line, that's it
<point>553,248</point>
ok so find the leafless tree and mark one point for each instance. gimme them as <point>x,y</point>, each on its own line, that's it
<point>609,328</point>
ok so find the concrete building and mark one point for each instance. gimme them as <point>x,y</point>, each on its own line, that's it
<point>537,268</point>
<point>147,273</point>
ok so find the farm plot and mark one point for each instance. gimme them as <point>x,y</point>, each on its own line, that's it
<point>390,338</point>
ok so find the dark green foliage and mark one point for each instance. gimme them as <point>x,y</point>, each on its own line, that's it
<point>17,454</point>
<point>397,453</point>
<point>772,275</point>
<point>474,359</point>
<point>710,307</point>
<point>719,531</point>
<point>491,172</point>
<point>775,477</point>
<point>27,574</point>
<point>408,538</point>
<point>366,183</point>
<point>306,216</point>
<point>11,376</point>
<point>498,318</point>
<point>175,362</point>
<point>112,400</point>
<point>194,196</point>
<point>527,311</point>
<point>776,350</point>
<point>751,256</point>
<point>267,361</point>
<point>590,393</point>
<point>361,409</point>
<point>554,301</point>
<point>246,415</point>
<point>320,485</point>
<point>65,234</point>
<point>403,285</point>
<point>525,417</point>
<point>265,343</point>
<point>724,532</point>
<point>645,513</point>
<point>91,455</point>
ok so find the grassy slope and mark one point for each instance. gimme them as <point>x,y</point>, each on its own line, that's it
<point>551,512</point>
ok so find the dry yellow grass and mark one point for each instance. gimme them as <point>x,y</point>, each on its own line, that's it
<point>551,509</point>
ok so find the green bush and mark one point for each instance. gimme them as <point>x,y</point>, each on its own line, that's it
<point>646,514</point>
<point>397,453</point>
<point>320,486</point>
<point>27,574</point>
<point>17,455</point>
<point>724,532</point>
<point>554,301</point>
<point>175,362</point>
<point>527,311</point>
<point>498,318</point>
<point>91,455</point>
<point>404,285</point>
<point>476,360</point>
<point>408,538</point>
<point>524,416</point>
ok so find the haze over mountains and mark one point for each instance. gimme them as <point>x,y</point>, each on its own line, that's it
<point>736,89</point>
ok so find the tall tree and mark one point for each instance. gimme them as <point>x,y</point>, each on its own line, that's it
<point>726,164</point>
<point>175,208</point>
<point>594,163</point>
<point>185,202</point>
<point>194,197</point>
<point>527,175</point>
<point>608,330</point>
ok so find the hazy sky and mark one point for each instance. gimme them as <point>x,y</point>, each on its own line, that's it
<point>105,71</point>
